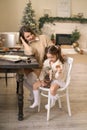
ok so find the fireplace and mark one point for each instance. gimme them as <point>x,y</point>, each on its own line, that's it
<point>63,39</point>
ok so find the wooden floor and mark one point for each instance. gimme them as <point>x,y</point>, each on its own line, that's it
<point>59,118</point>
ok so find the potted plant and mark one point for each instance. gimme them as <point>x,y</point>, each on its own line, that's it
<point>53,38</point>
<point>74,38</point>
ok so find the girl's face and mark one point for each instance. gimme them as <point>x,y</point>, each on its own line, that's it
<point>52,57</point>
<point>29,36</point>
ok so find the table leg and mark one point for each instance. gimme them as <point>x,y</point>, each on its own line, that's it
<point>6,79</point>
<point>20,97</point>
<point>17,88</point>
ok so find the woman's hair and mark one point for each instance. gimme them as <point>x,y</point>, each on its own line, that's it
<point>55,50</point>
<point>25,29</point>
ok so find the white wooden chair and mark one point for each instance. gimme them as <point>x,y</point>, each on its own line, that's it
<point>46,91</point>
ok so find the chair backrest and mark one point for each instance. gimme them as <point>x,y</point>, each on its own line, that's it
<point>70,62</point>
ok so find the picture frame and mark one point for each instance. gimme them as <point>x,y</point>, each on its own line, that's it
<point>63,8</point>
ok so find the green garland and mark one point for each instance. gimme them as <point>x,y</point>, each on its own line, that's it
<point>47,19</point>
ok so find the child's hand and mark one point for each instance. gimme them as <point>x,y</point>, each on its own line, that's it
<point>50,74</point>
<point>59,69</point>
<point>43,83</point>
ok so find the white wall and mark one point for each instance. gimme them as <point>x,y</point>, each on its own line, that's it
<point>77,6</point>
<point>11,11</point>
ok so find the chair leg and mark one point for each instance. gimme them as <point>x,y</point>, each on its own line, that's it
<point>68,103</point>
<point>48,110</point>
<point>39,101</point>
<point>59,102</point>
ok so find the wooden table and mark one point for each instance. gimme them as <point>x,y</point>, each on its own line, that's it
<point>11,67</point>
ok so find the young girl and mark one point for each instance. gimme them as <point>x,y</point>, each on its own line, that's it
<point>55,67</point>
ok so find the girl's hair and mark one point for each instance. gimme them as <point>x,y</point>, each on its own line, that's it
<point>56,50</point>
<point>25,29</point>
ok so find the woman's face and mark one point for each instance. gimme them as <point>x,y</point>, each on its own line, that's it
<point>29,36</point>
<point>51,57</point>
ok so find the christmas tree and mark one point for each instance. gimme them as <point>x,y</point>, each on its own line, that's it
<point>29,17</point>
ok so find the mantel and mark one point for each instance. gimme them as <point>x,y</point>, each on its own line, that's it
<point>47,19</point>
<point>67,28</point>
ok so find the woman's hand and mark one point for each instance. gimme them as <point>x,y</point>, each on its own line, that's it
<point>22,40</point>
<point>27,49</point>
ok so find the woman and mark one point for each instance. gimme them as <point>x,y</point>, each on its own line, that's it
<point>33,44</point>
